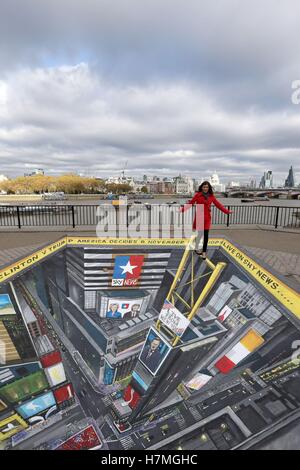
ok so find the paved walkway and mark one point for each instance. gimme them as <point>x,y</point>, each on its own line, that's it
<point>278,249</point>
<point>287,264</point>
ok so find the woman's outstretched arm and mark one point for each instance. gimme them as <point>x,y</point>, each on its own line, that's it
<point>188,204</point>
<point>220,206</point>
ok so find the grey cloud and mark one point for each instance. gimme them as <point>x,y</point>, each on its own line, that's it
<point>92,84</point>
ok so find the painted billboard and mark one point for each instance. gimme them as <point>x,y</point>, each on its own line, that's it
<point>10,426</point>
<point>83,440</point>
<point>131,397</point>
<point>56,374</point>
<point>247,345</point>
<point>224,313</point>
<point>121,308</point>
<point>24,387</point>
<point>15,342</point>
<point>43,415</point>
<point>173,318</point>
<point>6,306</point>
<point>51,359</point>
<point>64,393</point>
<point>7,374</point>
<point>154,352</point>
<point>109,374</point>
<point>3,406</point>
<point>198,381</point>
<point>139,380</point>
<point>37,405</point>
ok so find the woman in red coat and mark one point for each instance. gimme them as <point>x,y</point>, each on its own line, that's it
<point>205,196</point>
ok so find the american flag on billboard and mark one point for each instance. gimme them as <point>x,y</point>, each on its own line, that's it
<point>127,270</point>
<point>97,268</point>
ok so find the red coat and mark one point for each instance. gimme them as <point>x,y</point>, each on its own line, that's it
<point>200,199</point>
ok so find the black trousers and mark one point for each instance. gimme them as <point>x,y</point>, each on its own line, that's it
<point>205,240</point>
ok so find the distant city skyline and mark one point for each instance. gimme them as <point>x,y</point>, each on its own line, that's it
<point>268,179</point>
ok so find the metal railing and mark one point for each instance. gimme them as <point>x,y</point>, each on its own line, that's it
<point>19,216</point>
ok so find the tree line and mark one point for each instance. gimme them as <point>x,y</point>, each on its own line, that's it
<point>69,184</point>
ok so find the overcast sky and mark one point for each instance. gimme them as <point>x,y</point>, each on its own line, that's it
<point>171,86</point>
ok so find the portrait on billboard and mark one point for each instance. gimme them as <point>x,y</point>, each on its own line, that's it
<point>113,311</point>
<point>133,312</point>
<point>6,306</point>
<point>154,352</point>
<point>123,309</point>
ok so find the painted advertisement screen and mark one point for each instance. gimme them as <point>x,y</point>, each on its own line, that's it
<point>10,426</point>
<point>64,393</point>
<point>109,374</point>
<point>51,359</point>
<point>154,352</point>
<point>6,306</point>
<point>173,319</point>
<point>56,374</point>
<point>36,406</point>
<point>15,341</point>
<point>118,308</point>
<point>24,387</point>
<point>83,440</point>
<point>2,406</point>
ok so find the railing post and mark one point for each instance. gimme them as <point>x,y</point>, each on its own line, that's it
<point>18,215</point>
<point>73,216</point>
<point>228,217</point>
<point>277,216</point>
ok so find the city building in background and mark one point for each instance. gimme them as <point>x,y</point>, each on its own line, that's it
<point>290,180</point>
<point>184,185</point>
<point>214,180</point>
<point>233,184</point>
<point>266,181</point>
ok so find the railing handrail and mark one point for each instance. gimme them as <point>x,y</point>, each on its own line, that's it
<point>143,203</point>
<point>72,215</point>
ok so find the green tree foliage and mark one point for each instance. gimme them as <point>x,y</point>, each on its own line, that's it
<point>39,184</point>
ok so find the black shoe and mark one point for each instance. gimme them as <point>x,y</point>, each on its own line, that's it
<point>199,253</point>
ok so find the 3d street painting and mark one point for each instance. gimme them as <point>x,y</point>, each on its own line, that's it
<point>156,348</point>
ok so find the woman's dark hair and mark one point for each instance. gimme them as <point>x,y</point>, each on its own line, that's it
<point>210,189</point>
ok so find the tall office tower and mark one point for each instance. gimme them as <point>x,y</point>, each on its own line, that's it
<point>290,180</point>
<point>267,180</point>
